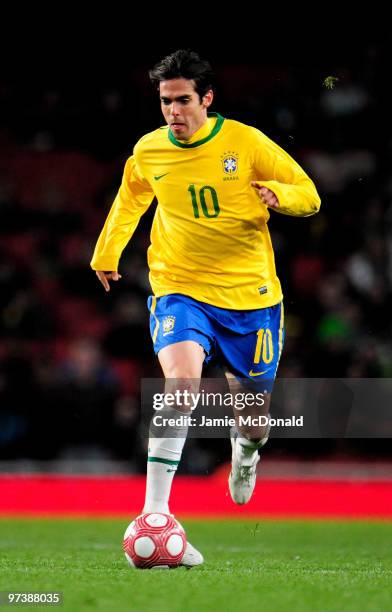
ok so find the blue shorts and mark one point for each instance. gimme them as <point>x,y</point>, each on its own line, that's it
<point>248,343</point>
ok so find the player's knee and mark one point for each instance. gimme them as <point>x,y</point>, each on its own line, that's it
<point>184,392</point>
<point>182,371</point>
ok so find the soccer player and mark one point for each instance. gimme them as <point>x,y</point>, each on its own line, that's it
<point>212,270</point>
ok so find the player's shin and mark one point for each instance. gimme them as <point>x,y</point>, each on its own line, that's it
<point>164,454</point>
<point>252,428</point>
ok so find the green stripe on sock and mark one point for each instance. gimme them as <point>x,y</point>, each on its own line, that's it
<point>254,446</point>
<point>160,460</point>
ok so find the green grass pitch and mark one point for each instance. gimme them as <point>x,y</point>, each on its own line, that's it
<point>249,565</point>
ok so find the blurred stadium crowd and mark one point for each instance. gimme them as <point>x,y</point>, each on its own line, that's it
<point>72,356</point>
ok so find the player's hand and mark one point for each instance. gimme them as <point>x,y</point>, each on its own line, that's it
<point>266,195</point>
<point>105,277</point>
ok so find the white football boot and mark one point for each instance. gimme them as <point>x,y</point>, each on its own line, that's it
<point>242,478</point>
<point>192,557</point>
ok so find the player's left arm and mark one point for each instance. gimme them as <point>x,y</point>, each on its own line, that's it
<point>281,183</point>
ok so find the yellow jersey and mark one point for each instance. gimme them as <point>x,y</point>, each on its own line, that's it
<point>209,237</point>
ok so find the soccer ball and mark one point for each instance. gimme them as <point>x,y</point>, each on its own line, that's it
<point>154,540</point>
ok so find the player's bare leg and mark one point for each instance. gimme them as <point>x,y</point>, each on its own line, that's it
<point>246,440</point>
<point>182,365</point>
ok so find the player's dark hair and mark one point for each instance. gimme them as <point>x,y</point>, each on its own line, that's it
<point>185,64</point>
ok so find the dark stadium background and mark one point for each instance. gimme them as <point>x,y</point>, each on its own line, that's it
<point>72,356</point>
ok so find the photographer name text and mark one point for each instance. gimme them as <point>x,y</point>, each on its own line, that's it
<point>255,421</point>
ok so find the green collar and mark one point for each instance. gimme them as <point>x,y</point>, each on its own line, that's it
<point>214,131</point>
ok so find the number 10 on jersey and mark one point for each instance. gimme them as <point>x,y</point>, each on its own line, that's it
<point>206,201</point>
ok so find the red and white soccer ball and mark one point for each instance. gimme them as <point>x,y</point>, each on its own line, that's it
<point>154,540</point>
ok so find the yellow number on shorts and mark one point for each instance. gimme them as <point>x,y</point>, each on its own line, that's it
<point>264,346</point>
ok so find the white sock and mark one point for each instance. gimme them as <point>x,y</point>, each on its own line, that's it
<point>247,449</point>
<point>164,455</point>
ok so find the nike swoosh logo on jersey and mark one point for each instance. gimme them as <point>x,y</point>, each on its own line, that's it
<point>251,373</point>
<point>157,178</point>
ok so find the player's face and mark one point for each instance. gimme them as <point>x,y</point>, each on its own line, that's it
<point>181,107</point>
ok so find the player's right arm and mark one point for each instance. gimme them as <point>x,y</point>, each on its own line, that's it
<point>133,198</point>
